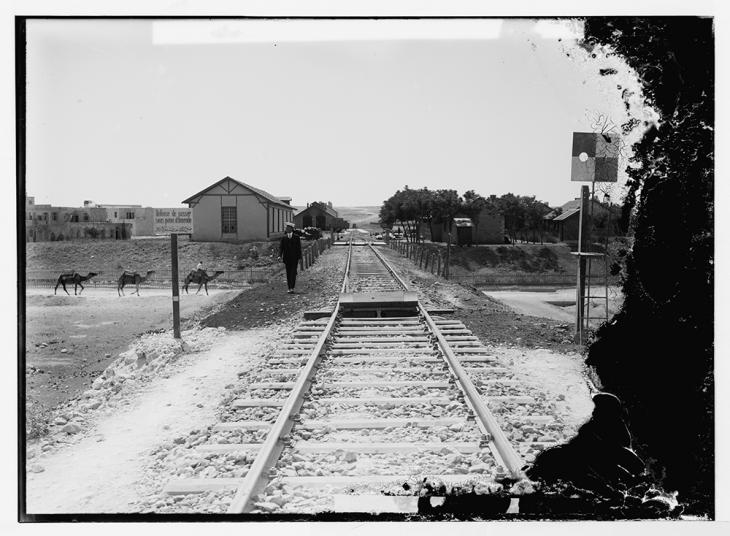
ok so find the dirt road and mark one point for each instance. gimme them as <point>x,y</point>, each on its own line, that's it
<point>558,304</point>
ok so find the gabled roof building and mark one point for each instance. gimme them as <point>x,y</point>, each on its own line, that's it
<point>233,211</point>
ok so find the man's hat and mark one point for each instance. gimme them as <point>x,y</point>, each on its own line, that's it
<point>289,224</point>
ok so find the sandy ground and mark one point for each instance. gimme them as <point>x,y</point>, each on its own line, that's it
<point>557,304</point>
<point>69,339</point>
<point>101,471</point>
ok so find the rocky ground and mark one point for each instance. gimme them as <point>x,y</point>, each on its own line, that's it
<point>137,422</point>
<point>157,387</point>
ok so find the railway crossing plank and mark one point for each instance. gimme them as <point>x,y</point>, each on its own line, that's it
<point>384,480</point>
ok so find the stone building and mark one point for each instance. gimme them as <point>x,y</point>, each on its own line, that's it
<point>44,223</point>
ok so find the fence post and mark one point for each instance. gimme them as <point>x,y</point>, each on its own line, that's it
<point>175,288</point>
<point>438,270</point>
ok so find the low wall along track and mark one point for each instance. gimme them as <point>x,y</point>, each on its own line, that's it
<point>365,408</point>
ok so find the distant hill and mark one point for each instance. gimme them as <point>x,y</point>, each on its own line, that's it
<point>363,217</point>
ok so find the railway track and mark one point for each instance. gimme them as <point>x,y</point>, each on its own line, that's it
<point>363,409</point>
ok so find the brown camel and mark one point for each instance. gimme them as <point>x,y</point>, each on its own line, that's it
<point>132,278</point>
<point>201,278</point>
<point>75,278</point>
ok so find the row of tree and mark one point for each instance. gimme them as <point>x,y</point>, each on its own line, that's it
<point>412,209</point>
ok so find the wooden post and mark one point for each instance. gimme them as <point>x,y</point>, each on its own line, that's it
<point>175,288</point>
<point>438,268</point>
<point>448,255</point>
<point>581,275</point>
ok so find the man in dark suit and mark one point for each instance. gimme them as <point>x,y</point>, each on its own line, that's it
<point>290,251</point>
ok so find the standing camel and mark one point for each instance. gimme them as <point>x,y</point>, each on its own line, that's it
<point>75,278</point>
<point>132,278</point>
<point>201,278</point>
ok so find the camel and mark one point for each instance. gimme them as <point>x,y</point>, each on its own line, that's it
<point>132,278</point>
<point>200,279</point>
<point>75,278</point>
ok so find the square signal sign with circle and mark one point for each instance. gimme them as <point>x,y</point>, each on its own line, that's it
<point>595,157</point>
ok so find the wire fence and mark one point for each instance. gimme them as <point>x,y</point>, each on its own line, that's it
<point>432,259</point>
<point>161,279</point>
<point>529,280</point>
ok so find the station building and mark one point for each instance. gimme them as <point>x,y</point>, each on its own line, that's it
<point>232,211</point>
<point>320,215</point>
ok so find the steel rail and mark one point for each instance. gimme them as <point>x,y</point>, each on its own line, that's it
<point>257,476</point>
<point>512,461</point>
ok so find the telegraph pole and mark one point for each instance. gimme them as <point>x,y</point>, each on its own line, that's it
<point>582,248</point>
<point>175,288</point>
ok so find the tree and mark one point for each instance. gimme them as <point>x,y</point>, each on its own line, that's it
<point>523,215</point>
<point>656,354</point>
<point>446,206</point>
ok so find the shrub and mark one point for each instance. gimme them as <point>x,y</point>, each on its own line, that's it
<point>36,419</point>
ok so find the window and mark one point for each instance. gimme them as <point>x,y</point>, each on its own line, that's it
<point>115,215</point>
<point>228,219</point>
<point>130,215</point>
<point>54,216</point>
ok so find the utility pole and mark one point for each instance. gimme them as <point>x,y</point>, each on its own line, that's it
<point>582,248</point>
<point>175,288</point>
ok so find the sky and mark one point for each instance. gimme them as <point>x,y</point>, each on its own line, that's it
<point>150,112</point>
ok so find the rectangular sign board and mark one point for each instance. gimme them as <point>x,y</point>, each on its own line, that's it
<point>173,220</point>
<point>595,157</point>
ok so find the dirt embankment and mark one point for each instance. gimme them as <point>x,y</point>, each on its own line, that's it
<point>526,258</point>
<point>146,254</point>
